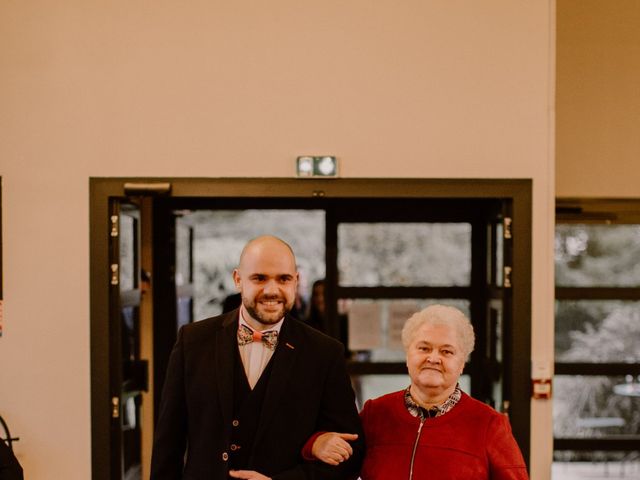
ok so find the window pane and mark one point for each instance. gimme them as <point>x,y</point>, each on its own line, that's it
<point>591,407</point>
<point>597,255</point>
<point>374,326</point>
<point>184,232</point>
<point>368,387</point>
<point>499,254</point>
<point>219,236</point>
<point>127,253</point>
<point>597,331</point>
<point>404,254</point>
<point>374,386</point>
<point>575,465</point>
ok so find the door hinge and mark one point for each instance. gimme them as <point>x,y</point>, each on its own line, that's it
<point>114,225</point>
<point>507,277</point>
<point>114,274</point>
<point>506,222</point>
<point>115,407</point>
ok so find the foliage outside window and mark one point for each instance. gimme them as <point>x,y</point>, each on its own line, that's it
<point>597,341</point>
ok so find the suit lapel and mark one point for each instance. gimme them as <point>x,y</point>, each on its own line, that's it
<point>283,360</point>
<point>225,342</point>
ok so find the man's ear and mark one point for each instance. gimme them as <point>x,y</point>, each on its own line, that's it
<point>236,278</point>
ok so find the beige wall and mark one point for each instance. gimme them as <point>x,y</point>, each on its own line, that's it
<point>424,88</point>
<point>598,98</point>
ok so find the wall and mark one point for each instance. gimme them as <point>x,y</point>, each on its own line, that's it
<point>426,88</point>
<point>598,98</point>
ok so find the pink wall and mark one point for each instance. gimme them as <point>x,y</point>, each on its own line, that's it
<point>426,88</point>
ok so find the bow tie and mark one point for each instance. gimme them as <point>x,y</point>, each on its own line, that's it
<point>246,335</point>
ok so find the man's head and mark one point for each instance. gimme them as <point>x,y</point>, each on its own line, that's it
<point>267,279</point>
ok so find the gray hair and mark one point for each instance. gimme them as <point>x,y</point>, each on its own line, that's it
<point>441,315</point>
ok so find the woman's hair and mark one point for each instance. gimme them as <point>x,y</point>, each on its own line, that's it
<point>441,315</point>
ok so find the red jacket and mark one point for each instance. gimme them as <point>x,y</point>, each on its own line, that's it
<point>470,442</point>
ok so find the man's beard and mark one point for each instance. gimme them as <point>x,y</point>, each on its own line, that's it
<point>266,318</point>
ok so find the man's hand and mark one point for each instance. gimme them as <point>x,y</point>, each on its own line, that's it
<point>247,475</point>
<point>333,448</point>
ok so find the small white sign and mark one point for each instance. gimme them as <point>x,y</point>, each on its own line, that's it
<point>399,312</point>
<point>364,326</point>
<point>541,369</point>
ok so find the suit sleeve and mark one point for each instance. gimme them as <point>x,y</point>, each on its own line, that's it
<point>338,413</point>
<point>505,459</point>
<point>167,461</point>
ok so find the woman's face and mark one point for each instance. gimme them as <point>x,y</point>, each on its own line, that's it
<point>435,359</point>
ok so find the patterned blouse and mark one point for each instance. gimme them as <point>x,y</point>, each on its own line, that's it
<point>418,411</point>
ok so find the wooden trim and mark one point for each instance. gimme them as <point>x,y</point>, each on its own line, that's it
<point>100,193</point>
<point>593,369</point>
<point>405,292</point>
<point>608,444</point>
<point>597,293</point>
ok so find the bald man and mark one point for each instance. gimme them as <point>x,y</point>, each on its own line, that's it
<point>246,389</point>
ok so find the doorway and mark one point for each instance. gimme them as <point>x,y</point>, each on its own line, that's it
<point>390,247</point>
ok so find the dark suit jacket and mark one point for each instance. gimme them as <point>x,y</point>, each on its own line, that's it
<point>309,391</point>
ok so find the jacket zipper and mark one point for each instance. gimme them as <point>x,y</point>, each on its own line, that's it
<point>415,449</point>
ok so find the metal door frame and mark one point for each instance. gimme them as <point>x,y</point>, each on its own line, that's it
<point>102,190</point>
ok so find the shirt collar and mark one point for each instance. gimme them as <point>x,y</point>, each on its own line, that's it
<point>418,411</point>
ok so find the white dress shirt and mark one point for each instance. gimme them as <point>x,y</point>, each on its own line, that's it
<point>255,355</point>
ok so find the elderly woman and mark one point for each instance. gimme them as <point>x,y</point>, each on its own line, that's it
<point>432,429</point>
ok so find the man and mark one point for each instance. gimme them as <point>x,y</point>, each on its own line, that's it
<point>246,389</point>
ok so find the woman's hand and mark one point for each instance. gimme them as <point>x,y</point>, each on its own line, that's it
<point>333,448</point>
<point>247,475</point>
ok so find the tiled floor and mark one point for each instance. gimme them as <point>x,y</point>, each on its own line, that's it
<point>596,470</point>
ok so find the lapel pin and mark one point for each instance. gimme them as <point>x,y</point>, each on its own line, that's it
<point>290,346</point>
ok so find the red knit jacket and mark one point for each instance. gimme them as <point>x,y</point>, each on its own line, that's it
<point>470,442</point>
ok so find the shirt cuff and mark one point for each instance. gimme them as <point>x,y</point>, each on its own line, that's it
<point>308,446</point>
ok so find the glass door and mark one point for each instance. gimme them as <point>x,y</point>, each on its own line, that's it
<point>390,258</point>
<point>129,372</point>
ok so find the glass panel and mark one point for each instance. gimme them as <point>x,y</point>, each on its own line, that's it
<point>127,239</point>
<point>130,327</point>
<point>374,386</point>
<point>404,254</point>
<point>375,326</point>
<point>595,406</point>
<point>574,465</point>
<point>184,232</point>
<point>597,255</point>
<point>499,254</point>
<point>219,236</point>
<point>597,331</point>
<point>183,311</point>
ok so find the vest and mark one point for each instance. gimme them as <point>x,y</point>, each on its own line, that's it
<point>247,405</point>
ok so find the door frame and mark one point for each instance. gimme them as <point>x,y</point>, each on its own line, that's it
<point>102,190</point>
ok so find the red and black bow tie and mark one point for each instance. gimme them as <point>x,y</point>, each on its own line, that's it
<point>247,335</point>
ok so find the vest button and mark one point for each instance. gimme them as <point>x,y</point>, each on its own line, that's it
<point>234,447</point>
<point>225,456</point>
<point>235,423</point>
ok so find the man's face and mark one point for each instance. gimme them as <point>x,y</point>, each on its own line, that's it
<point>435,359</point>
<point>267,279</point>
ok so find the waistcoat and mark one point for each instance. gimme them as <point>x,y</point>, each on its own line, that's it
<point>247,405</point>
